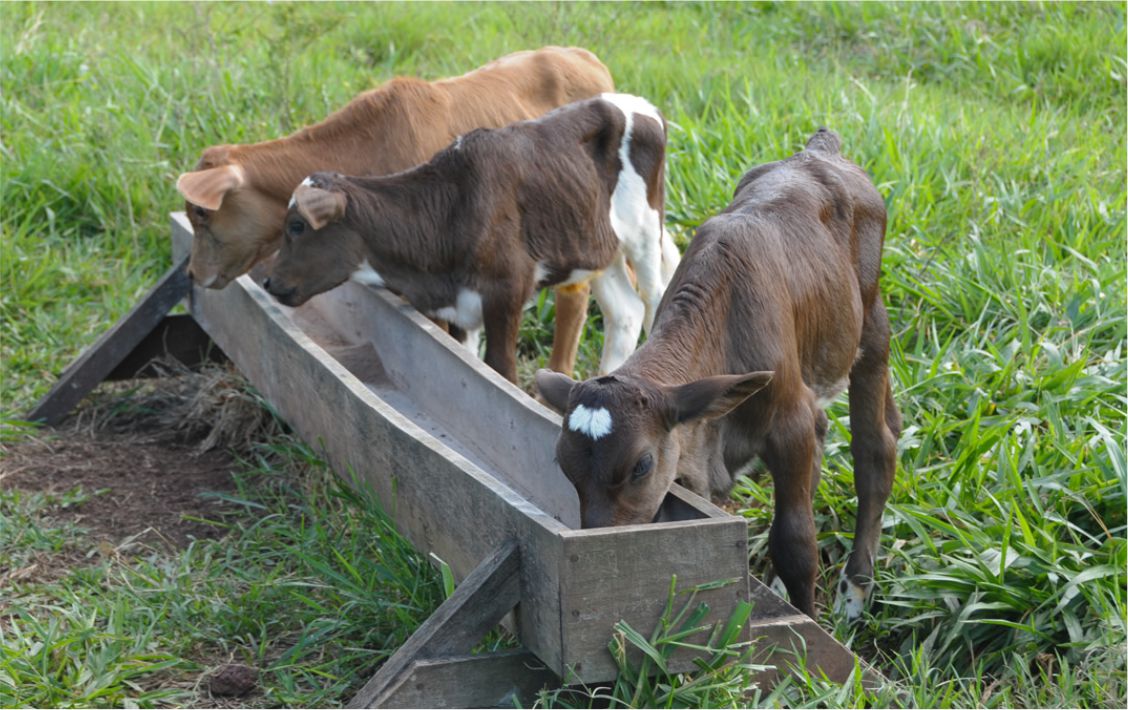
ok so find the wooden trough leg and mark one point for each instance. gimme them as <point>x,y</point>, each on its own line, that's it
<point>434,669</point>
<point>100,359</point>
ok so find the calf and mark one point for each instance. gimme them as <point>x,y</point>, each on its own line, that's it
<point>237,196</point>
<point>470,235</point>
<point>774,310</point>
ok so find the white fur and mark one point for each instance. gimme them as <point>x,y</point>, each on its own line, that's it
<point>623,314</point>
<point>466,312</point>
<point>474,341</point>
<point>540,273</point>
<point>852,601</point>
<point>366,275</point>
<point>595,423</point>
<point>644,242</point>
<point>307,182</point>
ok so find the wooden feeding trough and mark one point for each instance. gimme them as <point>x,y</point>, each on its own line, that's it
<point>462,461</point>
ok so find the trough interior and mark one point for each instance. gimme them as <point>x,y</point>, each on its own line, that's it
<point>437,384</point>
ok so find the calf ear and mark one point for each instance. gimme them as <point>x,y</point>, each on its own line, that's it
<point>713,397</point>
<point>319,207</point>
<point>207,188</point>
<point>555,388</point>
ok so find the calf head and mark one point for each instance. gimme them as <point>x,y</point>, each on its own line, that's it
<point>619,445</point>
<point>235,224</point>
<point>319,249</point>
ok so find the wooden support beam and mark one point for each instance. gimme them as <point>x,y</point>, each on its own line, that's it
<point>477,605</point>
<point>100,359</point>
<point>499,679</point>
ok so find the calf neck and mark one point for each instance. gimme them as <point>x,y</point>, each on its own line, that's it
<point>237,195</point>
<point>470,235</point>
<point>774,311</point>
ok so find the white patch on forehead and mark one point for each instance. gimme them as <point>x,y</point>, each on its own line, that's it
<point>307,182</point>
<point>458,143</point>
<point>466,312</point>
<point>366,275</point>
<point>595,423</point>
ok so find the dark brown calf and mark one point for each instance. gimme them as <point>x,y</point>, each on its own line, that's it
<point>469,236</point>
<point>774,310</point>
<point>236,197</point>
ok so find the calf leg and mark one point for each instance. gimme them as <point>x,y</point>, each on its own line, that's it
<point>822,424</point>
<point>671,257</point>
<point>502,320</point>
<point>650,256</point>
<point>789,455</point>
<point>875,425</point>
<point>623,313</point>
<point>571,312</point>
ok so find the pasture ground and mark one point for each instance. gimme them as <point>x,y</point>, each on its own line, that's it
<point>996,133</point>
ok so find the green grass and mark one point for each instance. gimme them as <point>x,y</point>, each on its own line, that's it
<point>309,583</point>
<point>996,133</point>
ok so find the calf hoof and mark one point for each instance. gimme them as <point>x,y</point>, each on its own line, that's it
<point>852,598</point>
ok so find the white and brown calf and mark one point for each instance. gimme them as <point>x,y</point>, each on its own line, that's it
<point>774,310</point>
<point>469,236</point>
<point>237,195</point>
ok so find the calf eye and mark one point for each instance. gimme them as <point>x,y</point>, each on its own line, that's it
<point>295,227</point>
<point>643,467</point>
<point>199,212</point>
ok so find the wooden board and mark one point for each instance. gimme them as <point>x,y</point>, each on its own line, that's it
<point>100,359</point>
<point>476,606</point>
<point>462,461</point>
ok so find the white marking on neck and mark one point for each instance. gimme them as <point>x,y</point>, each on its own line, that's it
<point>629,103</point>
<point>595,423</point>
<point>366,275</point>
<point>466,312</point>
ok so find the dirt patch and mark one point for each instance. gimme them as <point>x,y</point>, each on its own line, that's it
<point>150,459</point>
<point>147,490</point>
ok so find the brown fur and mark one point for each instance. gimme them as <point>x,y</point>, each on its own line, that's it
<point>382,131</point>
<point>478,217</point>
<point>784,285</point>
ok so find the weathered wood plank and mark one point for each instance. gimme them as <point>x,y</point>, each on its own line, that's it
<point>508,431</point>
<point>439,499</point>
<point>790,642</point>
<point>384,430</point>
<point>476,606</point>
<point>100,359</point>
<point>598,564</point>
<point>492,680</point>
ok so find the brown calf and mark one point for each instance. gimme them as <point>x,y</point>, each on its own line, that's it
<point>470,235</point>
<point>237,196</point>
<point>774,310</point>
